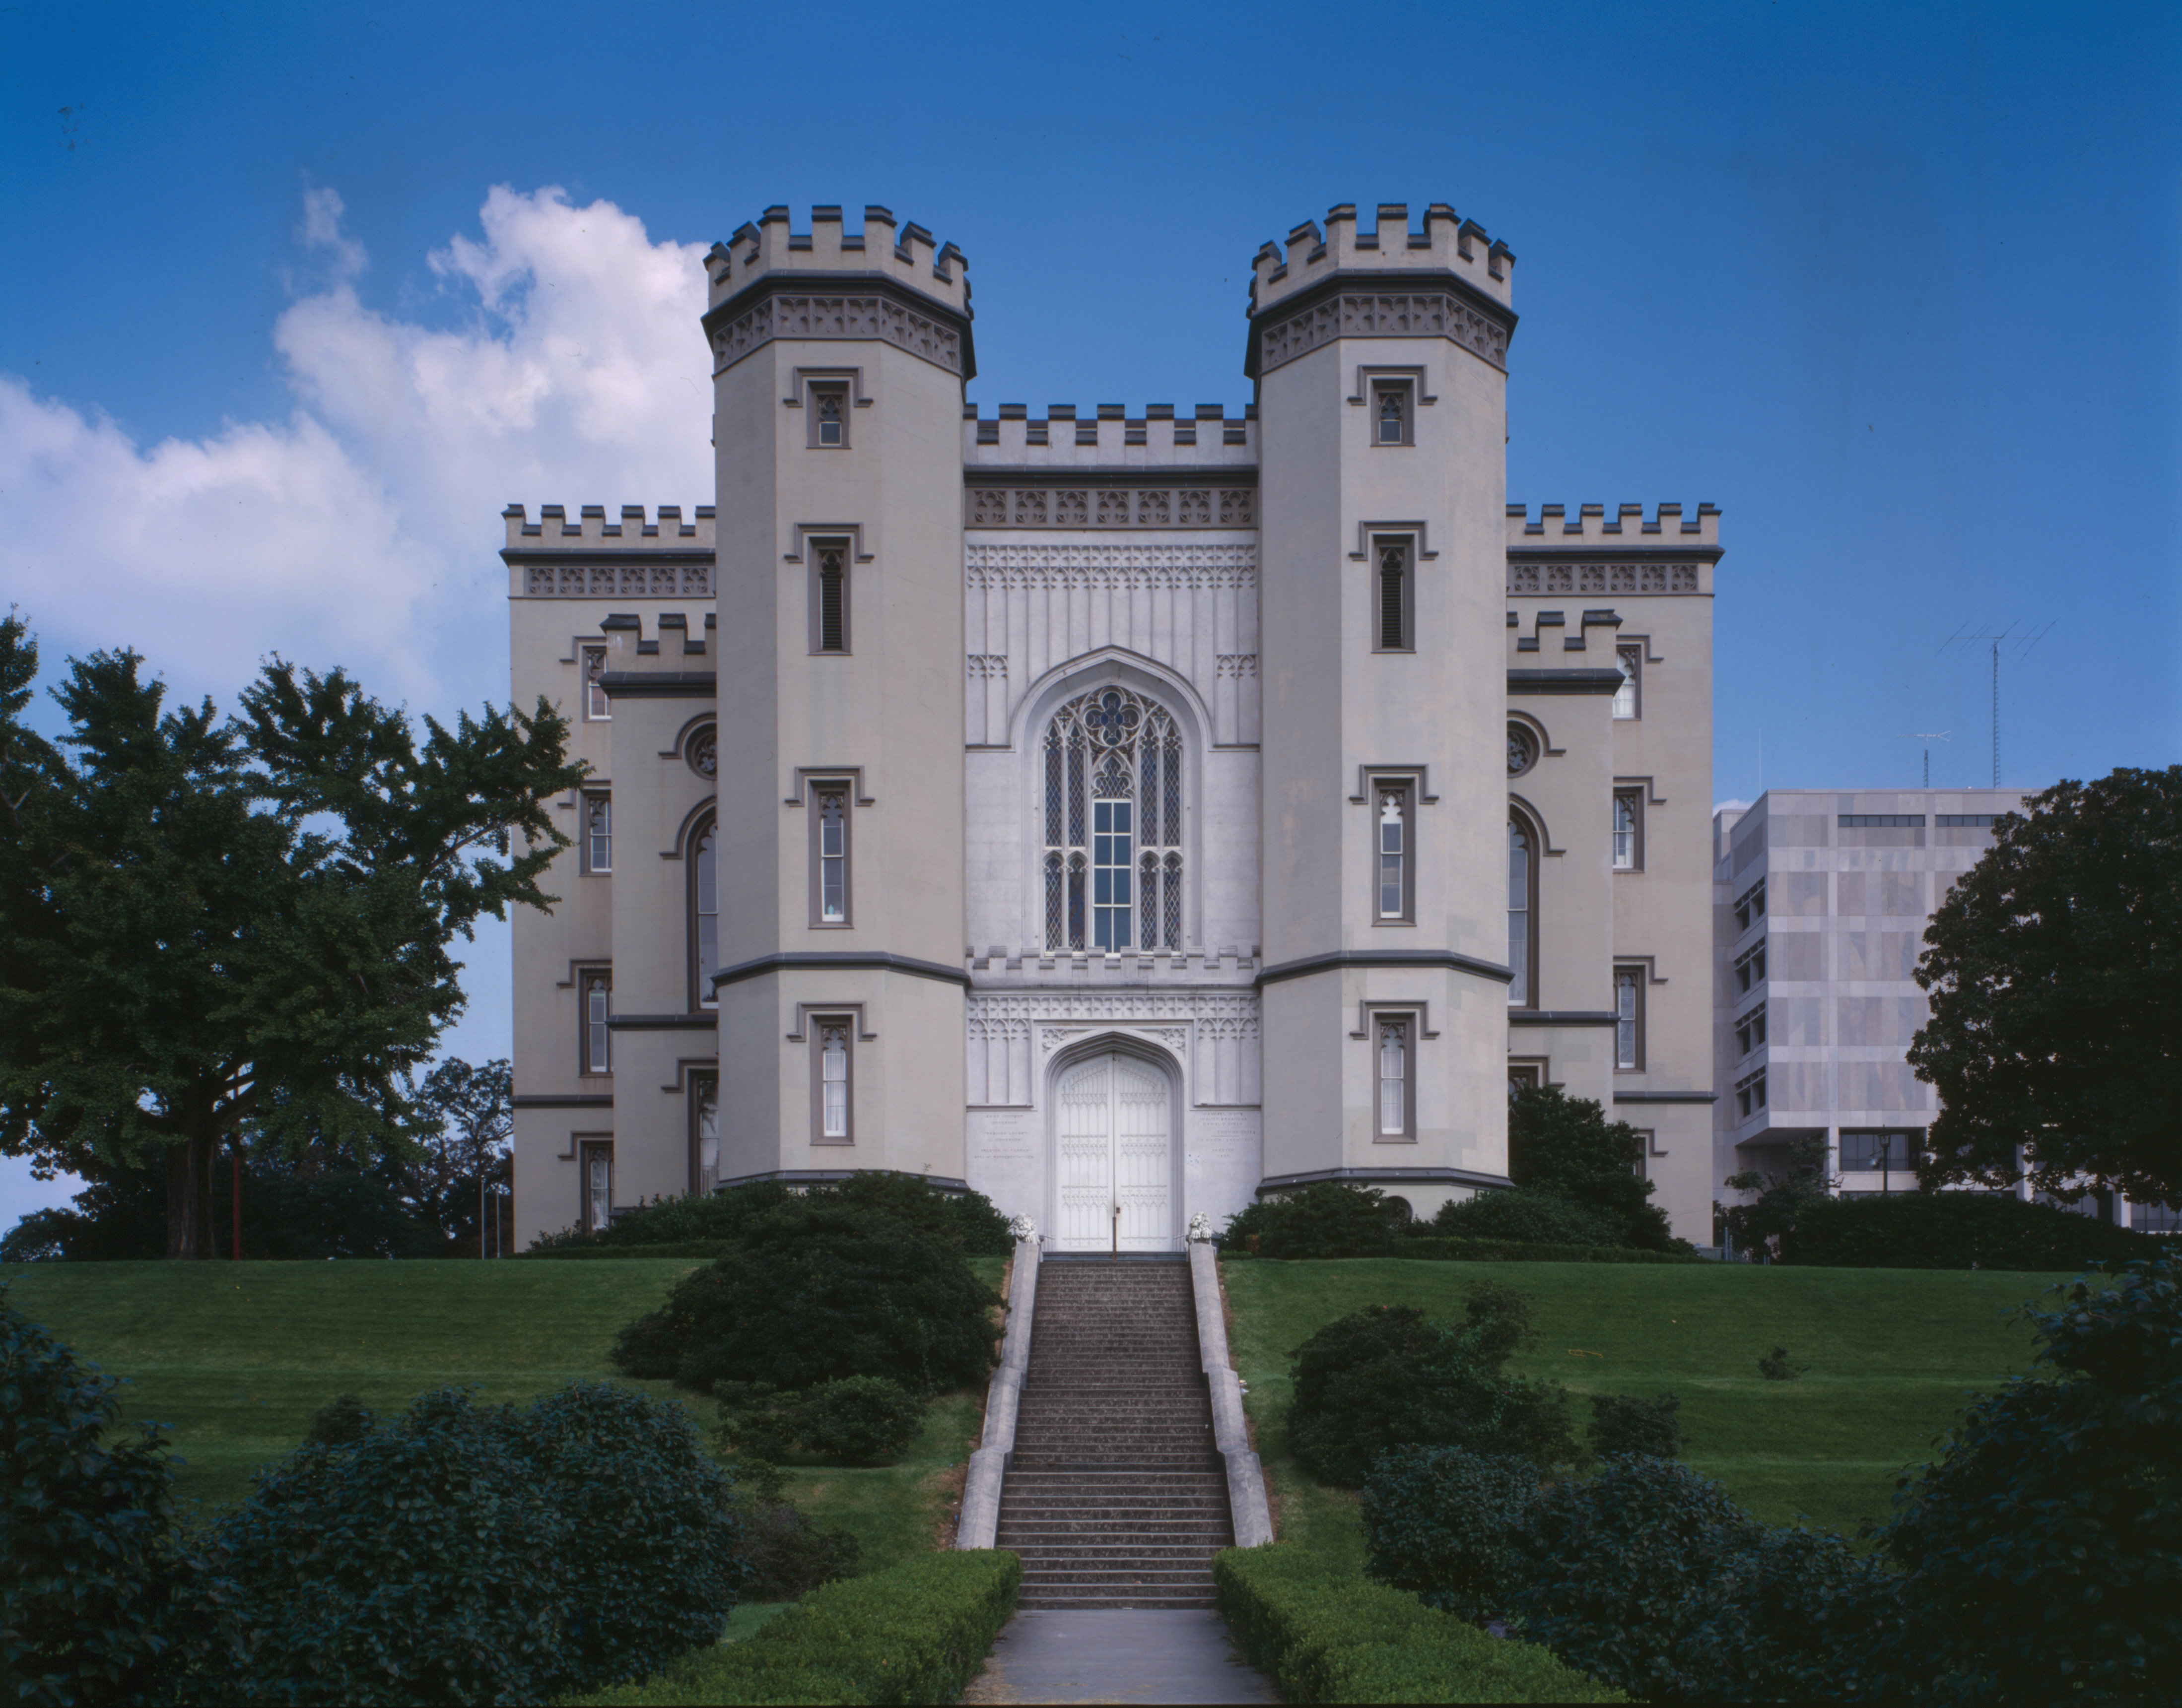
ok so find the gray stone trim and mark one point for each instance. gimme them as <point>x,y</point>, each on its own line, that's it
<point>1374,1177</point>
<point>1666,1096</point>
<point>1308,965</point>
<point>862,307</point>
<point>662,1023</point>
<point>587,1100</point>
<point>1231,1432</point>
<point>812,1177</point>
<point>841,960</point>
<point>1562,1017</point>
<point>1564,681</point>
<point>664,684</point>
<point>1380,305</point>
<point>988,1464</point>
<point>1218,499</point>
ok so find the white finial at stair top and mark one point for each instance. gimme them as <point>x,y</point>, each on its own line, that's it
<point>1021,1228</point>
<point>1200,1227</point>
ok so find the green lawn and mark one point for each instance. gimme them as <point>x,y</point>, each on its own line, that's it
<point>234,1358</point>
<point>1891,1353</point>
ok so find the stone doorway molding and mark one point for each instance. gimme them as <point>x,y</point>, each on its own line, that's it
<point>1144,1052</point>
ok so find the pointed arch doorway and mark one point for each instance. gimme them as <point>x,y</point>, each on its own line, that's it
<point>1114,1175</point>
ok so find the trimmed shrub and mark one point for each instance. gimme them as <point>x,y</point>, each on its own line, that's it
<point>1429,1246</point>
<point>2043,1552</point>
<point>92,1575</point>
<point>788,1555</point>
<point>819,1288</point>
<point>1330,1219</point>
<point>706,1225</point>
<point>1529,1218</point>
<point>1623,1424</point>
<point>1386,1377</point>
<point>915,1633</point>
<point>1956,1231</point>
<point>1327,1637</point>
<point>460,1552</point>
<point>1437,1521</point>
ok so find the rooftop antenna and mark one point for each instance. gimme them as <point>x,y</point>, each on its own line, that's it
<point>1928,737</point>
<point>2019,638</point>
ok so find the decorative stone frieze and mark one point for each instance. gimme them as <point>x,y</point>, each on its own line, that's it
<point>787,315</point>
<point>1112,506</point>
<point>1629,578</point>
<point>618,580</point>
<point>1214,1033</point>
<point>997,568</point>
<point>1375,314</point>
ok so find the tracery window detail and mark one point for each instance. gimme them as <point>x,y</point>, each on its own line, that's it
<point>1113,860</point>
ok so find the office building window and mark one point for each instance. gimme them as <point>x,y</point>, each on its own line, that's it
<point>1750,1031</point>
<point>598,833</point>
<point>1629,1018</point>
<point>1964,821</point>
<point>1880,1150</point>
<point>1882,821</point>
<point>594,995</point>
<point>1522,916</point>
<point>1627,701</point>
<point>597,708</point>
<point>1397,596</point>
<point>595,1166</point>
<point>1750,968</point>
<point>1749,906</point>
<point>1750,1095</point>
<point>1628,830</point>
<point>1394,1032</point>
<point>705,911</point>
<point>832,1041</point>
<point>830,826</point>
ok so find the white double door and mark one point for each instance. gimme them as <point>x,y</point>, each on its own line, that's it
<point>1116,1163</point>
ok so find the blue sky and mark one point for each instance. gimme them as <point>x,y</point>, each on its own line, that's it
<point>1895,286</point>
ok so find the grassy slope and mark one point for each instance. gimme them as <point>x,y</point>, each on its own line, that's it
<point>235,1359</point>
<point>1891,1354</point>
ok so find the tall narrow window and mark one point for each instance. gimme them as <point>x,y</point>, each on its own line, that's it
<point>829,424</point>
<point>598,833</point>
<point>830,824</point>
<point>1395,604</point>
<point>1520,990</point>
<point>1628,814</point>
<point>595,990</point>
<point>1632,661</point>
<point>1113,861</point>
<point>596,1163</point>
<point>1392,398</point>
<point>705,911</point>
<point>1646,1152</point>
<point>1393,871</point>
<point>1629,1018</point>
<point>832,1035</point>
<point>1393,1076</point>
<point>704,1132</point>
<point>829,596</point>
<point>597,708</point>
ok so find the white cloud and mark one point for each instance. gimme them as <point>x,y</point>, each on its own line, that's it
<point>361,529</point>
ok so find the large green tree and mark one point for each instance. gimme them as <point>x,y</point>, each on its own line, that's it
<point>2055,969</point>
<point>208,922</point>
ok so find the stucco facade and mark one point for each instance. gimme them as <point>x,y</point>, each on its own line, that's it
<point>1120,814</point>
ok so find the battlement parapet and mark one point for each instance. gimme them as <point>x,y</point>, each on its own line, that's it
<point>1627,527</point>
<point>907,253</point>
<point>668,554</point>
<point>1109,436</point>
<point>1448,243</point>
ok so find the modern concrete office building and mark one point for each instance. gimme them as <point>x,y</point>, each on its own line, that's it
<point>1098,808</point>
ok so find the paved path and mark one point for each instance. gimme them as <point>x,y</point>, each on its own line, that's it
<point>1132,1655</point>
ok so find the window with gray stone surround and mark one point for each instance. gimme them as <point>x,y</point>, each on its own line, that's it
<point>597,708</point>
<point>595,1006</point>
<point>1629,1019</point>
<point>595,1176</point>
<point>829,594</point>
<point>833,1079</point>
<point>1394,1036</point>
<point>1522,912</point>
<point>1393,558</point>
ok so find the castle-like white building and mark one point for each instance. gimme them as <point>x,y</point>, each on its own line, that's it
<point>1123,815</point>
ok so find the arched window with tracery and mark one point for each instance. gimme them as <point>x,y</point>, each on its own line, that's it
<point>1522,913</point>
<point>1113,859</point>
<point>705,911</point>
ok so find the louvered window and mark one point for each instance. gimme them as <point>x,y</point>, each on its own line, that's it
<point>1396,602</point>
<point>831,617</point>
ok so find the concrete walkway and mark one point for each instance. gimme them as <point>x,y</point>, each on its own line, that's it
<point>1130,1655</point>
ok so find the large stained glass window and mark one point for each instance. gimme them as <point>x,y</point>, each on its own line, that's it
<point>1113,861</point>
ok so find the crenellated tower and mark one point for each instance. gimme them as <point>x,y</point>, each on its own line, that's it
<point>1381,363</point>
<point>839,365</point>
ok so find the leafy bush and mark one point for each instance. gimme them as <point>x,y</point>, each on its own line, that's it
<point>340,1422</point>
<point>91,1573</point>
<point>1437,1521</point>
<point>2043,1551</point>
<point>1528,1217</point>
<point>1647,1576</point>
<point>1430,1246</point>
<point>1386,1377</point>
<point>967,1221</point>
<point>1330,1219</point>
<point>1328,1637</point>
<point>820,1288</point>
<point>1623,1424</point>
<point>1777,1366</point>
<point>787,1555</point>
<point>915,1633</point>
<point>1565,1146</point>
<point>459,1552</point>
<point>854,1420</point>
<point>1956,1231</point>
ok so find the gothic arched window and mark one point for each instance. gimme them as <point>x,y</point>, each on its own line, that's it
<point>1522,914</point>
<point>1113,859</point>
<point>705,911</point>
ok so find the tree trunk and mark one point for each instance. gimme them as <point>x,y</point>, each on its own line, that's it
<point>189,1206</point>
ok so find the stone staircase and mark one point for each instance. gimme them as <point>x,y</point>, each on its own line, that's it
<point>1115,1495</point>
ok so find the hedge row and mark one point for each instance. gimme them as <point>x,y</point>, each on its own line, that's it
<point>1325,1637</point>
<point>670,1248</point>
<point>1435,1249</point>
<point>916,1633</point>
